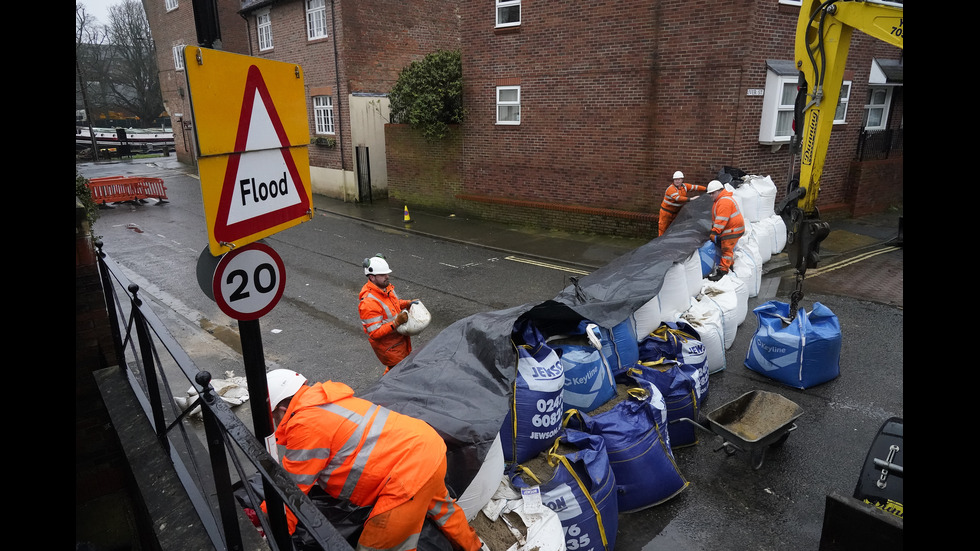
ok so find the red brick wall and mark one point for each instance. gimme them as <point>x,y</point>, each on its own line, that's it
<point>876,185</point>
<point>421,172</point>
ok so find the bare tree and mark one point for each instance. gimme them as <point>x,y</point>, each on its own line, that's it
<point>133,84</point>
<point>88,35</point>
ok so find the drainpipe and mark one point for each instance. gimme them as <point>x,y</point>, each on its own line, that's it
<point>336,70</point>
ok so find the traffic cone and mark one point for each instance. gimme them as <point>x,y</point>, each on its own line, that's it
<point>407,217</point>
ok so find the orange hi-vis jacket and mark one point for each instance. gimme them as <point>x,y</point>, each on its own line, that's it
<point>727,227</point>
<point>356,450</point>
<point>378,309</point>
<point>674,199</point>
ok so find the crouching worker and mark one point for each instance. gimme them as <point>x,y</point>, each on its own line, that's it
<point>368,455</point>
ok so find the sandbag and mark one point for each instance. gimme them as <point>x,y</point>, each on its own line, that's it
<point>748,268</point>
<point>767,191</point>
<point>710,255</point>
<point>484,484</point>
<point>706,319</point>
<point>800,352</point>
<point>536,406</point>
<point>648,317</point>
<point>636,438</point>
<point>538,526</point>
<point>748,200</point>
<point>726,310</point>
<point>684,389</point>
<point>731,294</point>
<point>675,341</point>
<point>619,346</point>
<point>589,381</point>
<point>418,319</point>
<point>778,233</point>
<point>692,269</point>
<point>581,491</point>
<point>674,295</point>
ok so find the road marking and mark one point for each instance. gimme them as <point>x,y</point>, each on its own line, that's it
<point>546,265</point>
<point>852,260</point>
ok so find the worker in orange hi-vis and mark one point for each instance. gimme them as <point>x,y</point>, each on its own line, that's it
<point>674,198</point>
<point>369,456</point>
<point>727,226</point>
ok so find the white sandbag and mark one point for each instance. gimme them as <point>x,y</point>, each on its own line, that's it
<point>763,231</point>
<point>778,232</point>
<point>418,319</point>
<point>748,268</point>
<point>766,189</point>
<point>674,296</point>
<point>692,268</point>
<point>751,241</point>
<point>647,318</point>
<point>706,319</point>
<point>485,483</point>
<point>727,305</point>
<point>542,530</point>
<point>731,295</point>
<point>747,198</point>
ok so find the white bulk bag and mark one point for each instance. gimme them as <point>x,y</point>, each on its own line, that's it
<point>748,269</point>
<point>766,189</point>
<point>542,530</point>
<point>706,319</point>
<point>748,199</point>
<point>692,268</point>
<point>647,318</point>
<point>674,296</point>
<point>778,233</point>
<point>727,305</point>
<point>485,483</point>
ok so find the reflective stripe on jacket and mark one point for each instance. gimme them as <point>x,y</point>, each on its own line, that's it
<point>356,450</point>
<point>675,197</point>
<point>727,222</point>
<point>378,309</point>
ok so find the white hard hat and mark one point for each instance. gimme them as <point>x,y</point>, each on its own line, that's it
<point>714,185</point>
<point>678,174</point>
<point>283,383</point>
<point>376,266</point>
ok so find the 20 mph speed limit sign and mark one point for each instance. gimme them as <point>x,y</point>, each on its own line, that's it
<point>249,281</point>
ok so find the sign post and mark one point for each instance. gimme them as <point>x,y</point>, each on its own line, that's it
<point>252,138</point>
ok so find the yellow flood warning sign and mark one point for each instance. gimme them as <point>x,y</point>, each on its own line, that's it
<point>253,135</point>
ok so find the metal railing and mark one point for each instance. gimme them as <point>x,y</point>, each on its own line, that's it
<point>880,144</point>
<point>139,335</point>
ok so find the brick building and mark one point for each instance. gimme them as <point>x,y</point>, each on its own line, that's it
<point>592,110</point>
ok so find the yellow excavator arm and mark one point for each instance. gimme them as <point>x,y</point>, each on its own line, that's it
<point>823,38</point>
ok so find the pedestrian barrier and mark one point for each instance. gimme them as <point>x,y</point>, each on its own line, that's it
<point>120,189</point>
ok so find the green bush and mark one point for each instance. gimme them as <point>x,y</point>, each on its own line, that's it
<point>428,95</point>
<point>84,195</point>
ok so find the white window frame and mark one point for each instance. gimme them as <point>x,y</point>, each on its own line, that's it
<point>882,107</point>
<point>508,105</point>
<point>777,108</point>
<point>316,19</point>
<point>179,57</point>
<point>797,3</point>
<point>323,114</point>
<point>263,28</point>
<point>506,7</point>
<point>840,116</point>
<point>171,5</point>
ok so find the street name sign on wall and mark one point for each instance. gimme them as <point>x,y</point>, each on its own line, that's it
<point>253,135</point>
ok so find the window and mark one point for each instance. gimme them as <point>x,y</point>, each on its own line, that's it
<point>171,5</point>
<point>791,2</point>
<point>263,24</point>
<point>323,114</point>
<point>316,19</point>
<point>778,102</point>
<point>179,57</point>
<point>845,94</point>
<point>508,105</point>
<point>508,13</point>
<point>876,110</point>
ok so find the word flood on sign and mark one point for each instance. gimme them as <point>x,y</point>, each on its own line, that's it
<point>262,190</point>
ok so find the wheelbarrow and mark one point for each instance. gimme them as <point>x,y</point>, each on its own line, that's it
<point>752,423</point>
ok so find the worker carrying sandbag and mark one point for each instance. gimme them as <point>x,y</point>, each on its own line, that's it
<point>382,313</point>
<point>367,455</point>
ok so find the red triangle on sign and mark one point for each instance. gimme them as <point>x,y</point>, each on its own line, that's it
<point>233,221</point>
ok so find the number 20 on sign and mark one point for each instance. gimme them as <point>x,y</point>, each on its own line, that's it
<point>249,281</point>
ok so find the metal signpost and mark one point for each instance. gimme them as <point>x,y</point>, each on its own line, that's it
<point>252,136</point>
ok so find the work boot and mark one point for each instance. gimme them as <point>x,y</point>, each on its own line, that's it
<point>717,275</point>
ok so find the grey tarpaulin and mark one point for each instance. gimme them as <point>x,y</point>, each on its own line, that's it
<point>460,382</point>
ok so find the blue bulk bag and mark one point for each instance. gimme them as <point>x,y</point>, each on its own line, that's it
<point>582,491</point>
<point>674,341</point>
<point>589,381</point>
<point>801,352</point>
<point>536,406</point>
<point>684,389</point>
<point>635,433</point>
<point>619,346</point>
<point>710,256</point>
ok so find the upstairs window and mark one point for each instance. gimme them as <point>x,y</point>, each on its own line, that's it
<point>508,13</point>
<point>171,5</point>
<point>263,23</point>
<point>179,57</point>
<point>779,100</point>
<point>508,105</point>
<point>876,110</point>
<point>316,19</point>
<point>323,114</point>
<point>845,94</point>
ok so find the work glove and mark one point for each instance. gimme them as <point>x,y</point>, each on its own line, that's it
<point>717,275</point>
<point>401,318</point>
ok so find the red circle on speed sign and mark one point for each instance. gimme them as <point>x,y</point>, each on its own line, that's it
<point>249,281</point>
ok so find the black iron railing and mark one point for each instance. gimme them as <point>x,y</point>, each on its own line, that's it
<point>880,144</point>
<point>231,448</point>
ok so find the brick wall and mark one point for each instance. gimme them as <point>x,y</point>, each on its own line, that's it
<point>874,186</point>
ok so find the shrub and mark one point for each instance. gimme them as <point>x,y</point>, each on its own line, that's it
<point>429,94</point>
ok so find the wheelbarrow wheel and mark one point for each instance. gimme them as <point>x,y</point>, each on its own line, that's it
<point>780,441</point>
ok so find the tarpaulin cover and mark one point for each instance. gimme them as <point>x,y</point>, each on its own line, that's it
<point>460,381</point>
